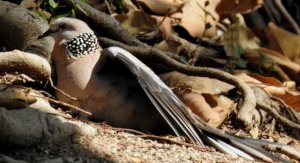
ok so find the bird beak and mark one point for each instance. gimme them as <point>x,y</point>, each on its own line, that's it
<point>47,33</point>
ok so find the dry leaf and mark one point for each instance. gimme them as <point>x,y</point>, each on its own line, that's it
<point>13,97</point>
<point>220,104</point>
<point>162,6</point>
<point>202,96</point>
<point>193,15</point>
<point>196,102</point>
<point>164,25</point>
<point>169,45</point>
<point>192,52</point>
<point>231,7</point>
<point>290,68</point>
<point>176,44</point>
<point>239,40</point>
<point>201,84</point>
<point>264,79</point>
<point>284,42</point>
<point>136,22</point>
<point>199,17</point>
<point>271,85</point>
<point>194,20</point>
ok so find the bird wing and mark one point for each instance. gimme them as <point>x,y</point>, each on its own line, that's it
<point>181,119</point>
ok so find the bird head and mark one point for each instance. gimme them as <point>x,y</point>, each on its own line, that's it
<point>73,37</point>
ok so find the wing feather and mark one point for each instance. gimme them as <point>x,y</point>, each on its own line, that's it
<point>173,110</point>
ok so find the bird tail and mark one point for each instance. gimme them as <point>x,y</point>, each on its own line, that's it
<point>181,119</point>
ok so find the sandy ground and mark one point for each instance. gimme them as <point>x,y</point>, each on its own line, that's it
<point>106,144</point>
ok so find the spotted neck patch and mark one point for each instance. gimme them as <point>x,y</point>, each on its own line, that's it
<point>81,45</point>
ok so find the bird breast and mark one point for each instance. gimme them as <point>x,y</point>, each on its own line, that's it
<point>74,77</point>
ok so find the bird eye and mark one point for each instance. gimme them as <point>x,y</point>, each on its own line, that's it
<point>62,26</point>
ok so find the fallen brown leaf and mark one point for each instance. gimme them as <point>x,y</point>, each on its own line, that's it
<point>201,84</point>
<point>162,6</point>
<point>164,24</point>
<point>284,42</point>
<point>199,17</point>
<point>231,7</point>
<point>197,103</point>
<point>202,96</point>
<point>291,68</point>
<point>239,40</point>
<point>273,87</point>
<point>13,97</point>
<point>136,22</point>
<point>194,20</point>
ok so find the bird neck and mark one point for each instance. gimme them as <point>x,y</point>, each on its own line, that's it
<point>81,45</point>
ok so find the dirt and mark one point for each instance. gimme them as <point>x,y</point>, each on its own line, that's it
<point>108,144</point>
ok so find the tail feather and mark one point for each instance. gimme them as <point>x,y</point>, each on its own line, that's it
<point>236,150</point>
<point>173,111</point>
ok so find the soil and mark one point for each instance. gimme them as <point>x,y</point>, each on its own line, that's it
<point>107,144</point>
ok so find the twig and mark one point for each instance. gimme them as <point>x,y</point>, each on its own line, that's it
<point>265,103</point>
<point>194,52</point>
<point>66,105</point>
<point>62,92</point>
<point>268,8</point>
<point>287,16</point>
<point>143,12</point>
<point>278,117</point>
<point>221,26</point>
<point>108,6</point>
<point>133,131</point>
<point>288,108</point>
<point>53,101</point>
<point>164,18</point>
<point>160,138</point>
<point>45,93</point>
<point>58,114</point>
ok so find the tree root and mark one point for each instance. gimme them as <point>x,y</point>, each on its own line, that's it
<point>287,16</point>
<point>265,103</point>
<point>278,117</point>
<point>193,51</point>
<point>292,113</point>
<point>23,62</point>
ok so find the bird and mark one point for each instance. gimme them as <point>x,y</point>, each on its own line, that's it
<point>108,92</point>
<point>119,89</point>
